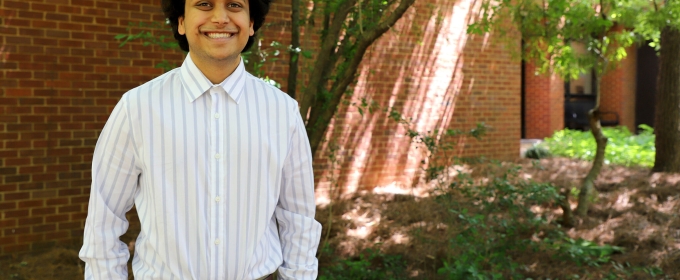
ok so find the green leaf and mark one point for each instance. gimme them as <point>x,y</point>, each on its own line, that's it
<point>307,54</point>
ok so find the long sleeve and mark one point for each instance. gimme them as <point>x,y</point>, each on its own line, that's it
<point>114,183</point>
<point>299,232</point>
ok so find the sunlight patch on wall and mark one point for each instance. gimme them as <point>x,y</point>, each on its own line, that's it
<point>445,68</point>
<point>363,141</point>
<point>420,80</point>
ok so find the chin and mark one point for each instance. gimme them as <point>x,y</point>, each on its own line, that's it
<point>225,58</point>
<point>222,56</point>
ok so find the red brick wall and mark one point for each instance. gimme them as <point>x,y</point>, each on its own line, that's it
<point>545,112</point>
<point>62,71</point>
<point>543,103</point>
<point>432,72</point>
<point>618,90</point>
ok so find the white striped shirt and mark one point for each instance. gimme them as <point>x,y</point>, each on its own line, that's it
<point>211,170</point>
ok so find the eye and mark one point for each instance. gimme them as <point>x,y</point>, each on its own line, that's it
<point>203,5</point>
<point>235,6</point>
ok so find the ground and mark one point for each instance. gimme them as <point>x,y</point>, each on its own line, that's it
<point>634,209</point>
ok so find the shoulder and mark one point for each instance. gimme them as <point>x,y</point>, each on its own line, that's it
<point>154,86</point>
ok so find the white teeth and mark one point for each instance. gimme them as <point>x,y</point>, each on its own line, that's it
<point>220,35</point>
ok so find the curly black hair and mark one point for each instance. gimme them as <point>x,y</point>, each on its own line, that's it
<point>173,9</point>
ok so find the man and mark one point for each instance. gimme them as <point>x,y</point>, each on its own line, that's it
<point>216,161</point>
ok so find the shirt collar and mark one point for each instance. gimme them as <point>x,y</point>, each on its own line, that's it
<point>196,84</point>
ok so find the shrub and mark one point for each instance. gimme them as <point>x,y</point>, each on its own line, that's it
<point>369,265</point>
<point>502,225</point>
<point>537,152</point>
<point>623,148</point>
<point>499,226</point>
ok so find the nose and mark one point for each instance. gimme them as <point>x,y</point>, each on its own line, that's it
<point>220,15</point>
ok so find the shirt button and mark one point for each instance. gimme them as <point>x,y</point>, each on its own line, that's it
<point>217,199</point>
<point>217,156</point>
<point>217,241</point>
<point>217,115</point>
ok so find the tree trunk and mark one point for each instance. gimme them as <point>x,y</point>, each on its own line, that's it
<point>587,188</point>
<point>567,213</point>
<point>667,119</point>
<point>294,48</point>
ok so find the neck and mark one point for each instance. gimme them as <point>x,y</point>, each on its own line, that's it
<point>216,71</point>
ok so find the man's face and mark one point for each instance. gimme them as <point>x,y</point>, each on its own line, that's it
<point>217,30</point>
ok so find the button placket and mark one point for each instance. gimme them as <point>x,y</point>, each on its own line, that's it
<point>216,147</point>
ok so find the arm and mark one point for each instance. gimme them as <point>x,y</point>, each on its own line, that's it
<point>298,231</point>
<point>114,182</point>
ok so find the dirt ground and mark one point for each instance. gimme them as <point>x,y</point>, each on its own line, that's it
<point>633,210</point>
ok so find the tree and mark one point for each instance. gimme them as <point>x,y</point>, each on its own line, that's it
<point>349,28</point>
<point>661,25</point>
<point>551,30</point>
<point>667,119</point>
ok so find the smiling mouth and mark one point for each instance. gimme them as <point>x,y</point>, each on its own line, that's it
<point>219,35</point>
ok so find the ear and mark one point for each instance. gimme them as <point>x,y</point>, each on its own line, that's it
<point>251,31</point>
<point>180,27</point>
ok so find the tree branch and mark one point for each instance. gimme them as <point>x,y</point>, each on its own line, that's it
<point>322,61</point>
<point>321,115</point>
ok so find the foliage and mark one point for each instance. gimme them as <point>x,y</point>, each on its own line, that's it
<point>582,251</point>
<point>627,271</point>
<point>552,30</point>
<point>369,265</point>
<point>148,37</point>
<point>537,152</point>
<point>623,147</point>
<point>439,149</point>
<point>653,18</point>
<point>499,227</point>
<point>256,58</point>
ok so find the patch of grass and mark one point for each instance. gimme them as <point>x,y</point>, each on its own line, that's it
<point>623,148</point>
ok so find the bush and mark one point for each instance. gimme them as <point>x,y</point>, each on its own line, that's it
<point>623,148</point>
<point>537,152</point>
<point>369,265</point>
<point>499,226</point>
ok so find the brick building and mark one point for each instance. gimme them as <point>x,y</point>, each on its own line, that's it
<point>628,95</point>
<point>62,71</point>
